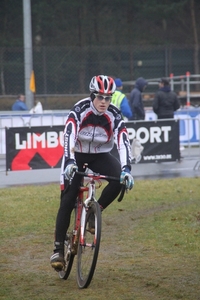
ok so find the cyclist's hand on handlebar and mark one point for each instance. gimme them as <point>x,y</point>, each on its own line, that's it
<point>69,171</point>
<point>126,178</point>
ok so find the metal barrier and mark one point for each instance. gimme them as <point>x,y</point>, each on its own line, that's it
<point>187,86</point>
<point>189,126</point>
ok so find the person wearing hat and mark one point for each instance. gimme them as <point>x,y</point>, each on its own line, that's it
<point>136,102</point>
<point>119,99</point>
<point>166,101</point>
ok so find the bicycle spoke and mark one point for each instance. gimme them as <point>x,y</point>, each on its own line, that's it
<point>88,248</point>
<point>68,249</point>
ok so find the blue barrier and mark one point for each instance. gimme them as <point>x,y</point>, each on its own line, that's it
<point>189,124</point>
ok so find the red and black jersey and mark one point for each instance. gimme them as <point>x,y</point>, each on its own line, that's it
<point>88,131</point>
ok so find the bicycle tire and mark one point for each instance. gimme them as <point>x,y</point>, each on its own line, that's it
<point>88,249</point>
<point>68,254</point>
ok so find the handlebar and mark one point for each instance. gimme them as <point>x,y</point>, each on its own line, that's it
<point>97,176</point>
<point>105,177</point>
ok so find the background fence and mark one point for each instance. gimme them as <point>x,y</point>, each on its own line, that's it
<point>68,70</point>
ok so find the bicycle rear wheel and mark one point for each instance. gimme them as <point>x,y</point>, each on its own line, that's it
<point>68,253</point>
<point>88,247</point>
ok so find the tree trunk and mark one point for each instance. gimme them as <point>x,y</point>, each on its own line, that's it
<point>196,42</point>
<point>3,90</point>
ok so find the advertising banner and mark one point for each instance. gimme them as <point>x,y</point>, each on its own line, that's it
<point>154,141</point>
<point>189,123</point>
<point>33,148</point>
<point>41,147</point>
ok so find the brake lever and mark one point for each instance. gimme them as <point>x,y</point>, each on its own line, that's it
<point>73,173</point>
<point>70,180</point>
<point>123,190</point>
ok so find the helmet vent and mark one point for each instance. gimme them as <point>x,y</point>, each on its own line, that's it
<point>105,85</point>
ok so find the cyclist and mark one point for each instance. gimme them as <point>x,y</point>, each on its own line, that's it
<point>91,128</point>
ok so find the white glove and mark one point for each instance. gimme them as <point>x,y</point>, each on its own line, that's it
<point>127,179</point>
<point>69,171</point>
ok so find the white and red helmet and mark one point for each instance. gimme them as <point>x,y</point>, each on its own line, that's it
<point>102,84</point>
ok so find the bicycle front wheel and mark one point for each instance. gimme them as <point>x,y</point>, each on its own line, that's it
<point>88,247</point>
<point>68,248</point>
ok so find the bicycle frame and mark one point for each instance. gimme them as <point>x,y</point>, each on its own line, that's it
<point>84,235</point>
<point>90,197</point>
<point>82,206</point>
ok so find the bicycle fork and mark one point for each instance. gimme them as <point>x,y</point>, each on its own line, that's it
<point>76,230</point>
<point>86,206</point>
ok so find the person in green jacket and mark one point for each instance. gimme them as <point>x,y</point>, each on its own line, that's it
<point>119,99</point>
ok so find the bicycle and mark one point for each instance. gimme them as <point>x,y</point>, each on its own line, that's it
<point>80,240</point>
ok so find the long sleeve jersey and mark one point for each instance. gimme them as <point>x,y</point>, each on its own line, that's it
<point>88,131</point>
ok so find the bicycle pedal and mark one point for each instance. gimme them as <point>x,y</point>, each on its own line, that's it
<point>57,266</point>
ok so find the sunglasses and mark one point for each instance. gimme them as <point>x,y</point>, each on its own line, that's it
<point>101,97</point>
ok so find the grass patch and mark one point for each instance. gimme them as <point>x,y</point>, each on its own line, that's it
<point>150,246</point>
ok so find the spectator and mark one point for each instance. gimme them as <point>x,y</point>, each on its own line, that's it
<point>165,101</point>
<point>136,99</point>
<point>19,103</point>
<point>119,99</point>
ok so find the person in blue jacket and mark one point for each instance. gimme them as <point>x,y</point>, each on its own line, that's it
<point>19,103</point>
<point>136,103</point>
<point>119,99</point>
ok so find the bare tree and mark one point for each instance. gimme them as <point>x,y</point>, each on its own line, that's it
<point>196,40</point>
<point>3,91</point>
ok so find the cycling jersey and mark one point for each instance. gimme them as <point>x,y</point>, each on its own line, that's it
<point>88,131</point>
